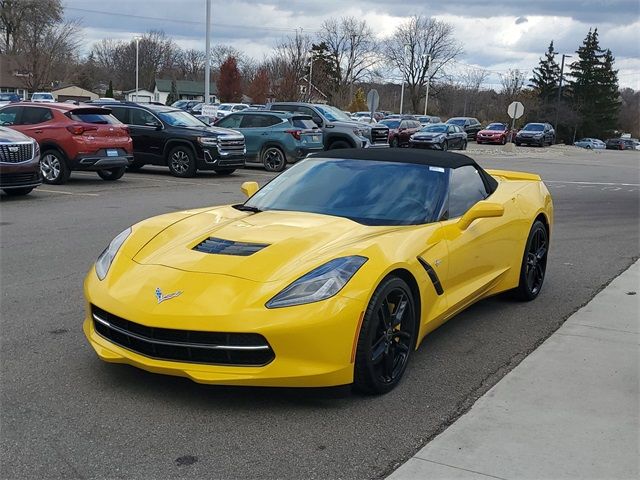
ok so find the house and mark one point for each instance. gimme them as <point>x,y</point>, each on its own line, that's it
<point>143,96</point>
<point>187,90</point>
<point>73,92</point>
<point>12,77</point>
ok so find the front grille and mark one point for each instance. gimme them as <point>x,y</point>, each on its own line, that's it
<point>16,179</point>
<point>228,247</point>
<point>216,348</point>
<point>232,145</point>
<point>379,135</point>
<point>16,153</point>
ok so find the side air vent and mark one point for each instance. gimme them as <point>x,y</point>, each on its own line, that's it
<point>228,247</point>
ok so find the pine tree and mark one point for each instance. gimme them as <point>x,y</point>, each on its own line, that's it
<point>359,103</point>
<point>109,92</point>
<point>173,94</point>
<point>545,77</point>
<point>594,89</point>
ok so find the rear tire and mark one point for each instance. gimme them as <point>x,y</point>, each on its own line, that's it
<point>181,162</point>
<point>54,168</point>
<point>386,338</point>
<point>534,263</point>
<point>273,159</point>
<point>112,174</point>
<point>18,192</point>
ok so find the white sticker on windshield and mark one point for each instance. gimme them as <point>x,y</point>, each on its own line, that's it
<point>436,169</point>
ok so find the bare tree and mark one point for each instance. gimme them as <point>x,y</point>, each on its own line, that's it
<point>191,64</point>
<point>471,80</point>
<point>287,66</point>
<point>410,47</point>
<point>351,44</point>
<point>513,83</point>
<point>16,15</point>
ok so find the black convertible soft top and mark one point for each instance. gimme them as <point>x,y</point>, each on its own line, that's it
<point>433,158</point>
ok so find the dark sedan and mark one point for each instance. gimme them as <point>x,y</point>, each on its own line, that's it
<point>439,136</point>
<point>468,124</point>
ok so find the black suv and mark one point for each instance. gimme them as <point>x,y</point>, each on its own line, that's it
<point>171,137</point>
<point>536,134</point>
<point>468,124</point>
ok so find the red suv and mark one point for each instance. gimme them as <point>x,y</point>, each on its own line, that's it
<point>73,137</point>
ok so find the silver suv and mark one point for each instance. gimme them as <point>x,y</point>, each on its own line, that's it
<point>339,130</point>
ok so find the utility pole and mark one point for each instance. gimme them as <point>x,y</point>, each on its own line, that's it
<point>555,126</point>
<point>207,65</point>
<point>426,98</point>
<point>404,61</point>
<point>137,39</point>
<point>310,76</point>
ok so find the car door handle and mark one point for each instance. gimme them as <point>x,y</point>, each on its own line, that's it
<point>264,133</point>
<point>37,131</point>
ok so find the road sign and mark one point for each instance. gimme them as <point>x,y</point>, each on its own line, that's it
<point>373,100</point>
<point>515,110</point>
<point>209,110</point>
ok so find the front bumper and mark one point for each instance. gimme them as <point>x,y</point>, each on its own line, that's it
<point>489,139</point>
<point>313,344</point>
<point>426,143</point>
<point>100,160</point>
<point>20,175</point>
<point>530,140</point>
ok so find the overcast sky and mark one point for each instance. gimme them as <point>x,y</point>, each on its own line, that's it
<point>496,35</point>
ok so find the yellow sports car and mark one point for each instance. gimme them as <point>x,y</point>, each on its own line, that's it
<point>330,274</point>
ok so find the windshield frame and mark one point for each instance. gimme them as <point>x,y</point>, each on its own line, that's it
<point>333,114</point>
<point>443,128</point>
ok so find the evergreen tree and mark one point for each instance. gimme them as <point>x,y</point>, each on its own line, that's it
<point>594,88</point>
<point>546,77</point>
<point>359,103</point>
<point>109,92</point>
<point>173,94</point>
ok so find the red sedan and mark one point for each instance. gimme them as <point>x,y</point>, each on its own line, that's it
<point>494,133</point>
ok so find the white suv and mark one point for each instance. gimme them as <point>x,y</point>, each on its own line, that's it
<point>43,97</point>
<point>225,109</point>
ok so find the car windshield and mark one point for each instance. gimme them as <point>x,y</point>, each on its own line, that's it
<point>224,107</point>
<point>367,192</point>
<point>46,96</point>
<point>496,126</point>
<point>333,114</point>
<point>533,127</point>
<point>456,121</point>
<point>434,128</point>
<point>180,119</point>
<point>391,123</point>
<point>179,103</point>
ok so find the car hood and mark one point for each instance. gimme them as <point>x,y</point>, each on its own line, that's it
<point>428,134</point>
<point>288,243</point>
<point>209,131</point>
<point>8,135</point>
<point>492,132</point>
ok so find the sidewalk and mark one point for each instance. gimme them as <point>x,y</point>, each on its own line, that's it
<point>568,411</point>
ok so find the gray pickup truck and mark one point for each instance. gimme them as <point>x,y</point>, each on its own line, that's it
<point>338,128</point>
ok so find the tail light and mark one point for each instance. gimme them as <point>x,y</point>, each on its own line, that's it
<point>295,133</point>
<point>126,130</point>
<point>80,129</point>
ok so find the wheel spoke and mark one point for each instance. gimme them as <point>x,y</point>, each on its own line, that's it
<point>378,349</point>
<point>386,313</point>
<point>389,361</point>
<point>396,319</point>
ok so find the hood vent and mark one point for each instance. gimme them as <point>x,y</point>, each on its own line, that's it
<point>228,247</point>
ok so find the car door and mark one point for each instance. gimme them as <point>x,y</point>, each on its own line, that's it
<point>252,126</point>
<point>477,253</point>
<point>147,135</point>
<point>453,139</point>
<point>36,123</point>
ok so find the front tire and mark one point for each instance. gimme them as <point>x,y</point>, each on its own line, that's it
<point>464,145</point>
<point>18,192</point>
<point>181,162</point>
<point>111,174</point>
<point>534,263</point>
<point>387,338</point>
<point>54,168</point>
<point>395,143</point>
<point>444,146</point>
<point>338,144</point>
<point>273,159</point>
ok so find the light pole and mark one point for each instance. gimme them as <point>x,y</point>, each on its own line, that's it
<point>404,62</point>
<point>310,76</point>
<point>559,94</point>
<point>207,65</point>
<point>137,39</point>
<point>426,97</point>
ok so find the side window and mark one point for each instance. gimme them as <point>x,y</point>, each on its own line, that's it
<point>285,108</point>
<point>451,129</point>
<point>403,124</point>
<point>141,117</point>
<point>254,121</point>
<point>466,188</point>
<point>35,115</point>
<point>230,121</point>
<point>121,114</point>
<point>9,115</point>
<point>271,120</point>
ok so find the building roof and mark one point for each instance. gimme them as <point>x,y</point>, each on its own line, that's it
<point>185,87</point>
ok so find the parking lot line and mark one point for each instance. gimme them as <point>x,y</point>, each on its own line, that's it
<point>70,193</point>
<point>596,183</point>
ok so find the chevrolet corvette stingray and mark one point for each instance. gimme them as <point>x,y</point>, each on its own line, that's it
<point>330,274</point>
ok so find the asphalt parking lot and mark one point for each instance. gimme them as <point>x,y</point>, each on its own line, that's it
<point>65,414</point>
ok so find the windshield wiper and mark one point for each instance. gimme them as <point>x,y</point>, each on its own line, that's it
<point>246,208</point>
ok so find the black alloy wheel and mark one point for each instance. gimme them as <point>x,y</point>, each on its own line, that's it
<point>387,338</point>
<point>111,174</point>
<point>181,162</point>
<point>534,263</point>
<point>273,159</point>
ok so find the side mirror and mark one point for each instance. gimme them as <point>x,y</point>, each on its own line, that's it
<point>155,125</point>
<point>482,209</point>
<point>317,120</point>
<point>249,188</point>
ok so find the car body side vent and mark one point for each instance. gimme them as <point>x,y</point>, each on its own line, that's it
<point>228,247</point>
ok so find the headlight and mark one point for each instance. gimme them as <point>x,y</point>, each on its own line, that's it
<point>106,257</point>
<point>208,141</point>
<point>319,284</point>
<point>538,135</point>
<point>36,149</point>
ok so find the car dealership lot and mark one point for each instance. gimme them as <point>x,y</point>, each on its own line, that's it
<point>66,414</point>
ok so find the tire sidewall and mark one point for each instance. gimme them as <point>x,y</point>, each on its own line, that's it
<point>64,173</point>
<point>523,292</point>
<point>191,169</point>
<point>282,165</point>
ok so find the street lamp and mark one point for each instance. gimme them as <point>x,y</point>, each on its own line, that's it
<point>559,94</point>
<point>426,97</point>
<point>404,62</point>
<point>137,39</point>
<point>310,76</point>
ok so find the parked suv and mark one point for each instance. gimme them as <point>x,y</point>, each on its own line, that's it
<point>340,131</point>
<point>72,137</point>
<point>275,138</point>
<point>173,138</point>
<point>536,134</point>
<point>19,162</point>
<point>468,124</point>
<point>43,97</point>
